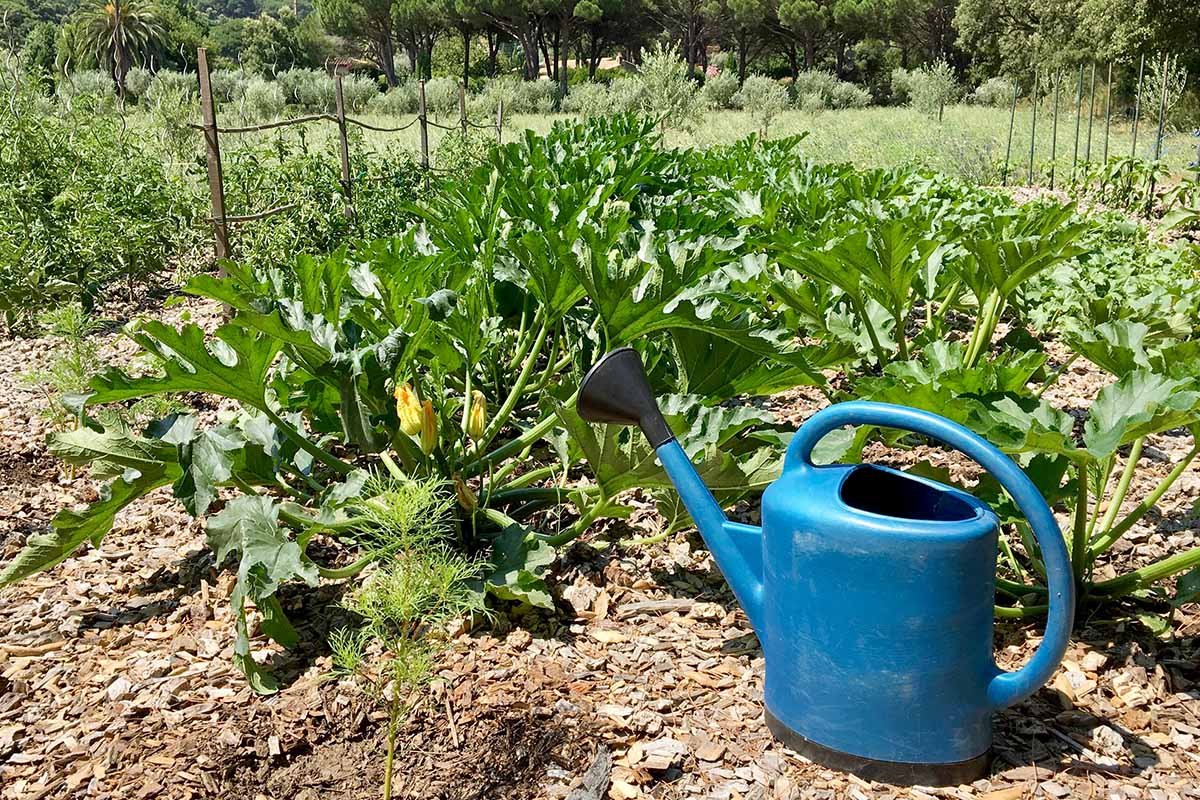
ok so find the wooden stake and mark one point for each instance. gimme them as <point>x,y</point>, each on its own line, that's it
<point>423,124</point>
<point>500,121</point>
<point>212,147</point>
<point>343,141</point>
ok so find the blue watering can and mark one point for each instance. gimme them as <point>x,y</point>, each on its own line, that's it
<point>871,590</point>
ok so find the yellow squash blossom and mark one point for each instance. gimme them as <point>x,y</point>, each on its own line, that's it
<point>408,409</point>
<point>466,497</point>
<point>477,417</point>
<point>428,428</point>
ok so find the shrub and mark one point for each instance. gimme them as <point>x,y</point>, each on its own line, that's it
<point>719,90</point>
<point>81,206</point>
<point>995,91</point>
<point>763,98</point>
<point>503,88</point>
<point>173,86</point>
<point>311,89</point>
<point>931,87</point>
<point>137,81</point>
<point>625,96</point>
<point>588,100</point>
<point>358,91</point>
<point>812,82</point>
<point>668,95</point>
<point>812,102</point>
<point>441,96</point>
<point>847,95</point>
<point>229,85</point>
<point>397,101</point>
<point>901,84</point>
<point>85,82</point>
<point>536,97</point>
<point>262,99</point>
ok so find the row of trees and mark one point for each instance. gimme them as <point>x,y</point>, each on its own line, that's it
<point>861,40</point>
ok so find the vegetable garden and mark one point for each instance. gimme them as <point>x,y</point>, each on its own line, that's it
<point>394,420</point>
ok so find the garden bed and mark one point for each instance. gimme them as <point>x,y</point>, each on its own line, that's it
<point>116,677</point>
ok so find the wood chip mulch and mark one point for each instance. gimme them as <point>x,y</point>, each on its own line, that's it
<point>116,678</point>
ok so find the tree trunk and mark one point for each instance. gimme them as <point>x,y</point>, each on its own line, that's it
<point>387,58</point>
<point>564,35</point>
<point>550,65</point>
<point>793,65</point>
<point>493,44</point>
<point>742,36</point>
<point>810,52</point>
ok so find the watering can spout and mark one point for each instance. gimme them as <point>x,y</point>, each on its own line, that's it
<point>616,391</point>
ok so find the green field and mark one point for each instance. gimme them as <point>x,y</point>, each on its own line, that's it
<point>969,142</point>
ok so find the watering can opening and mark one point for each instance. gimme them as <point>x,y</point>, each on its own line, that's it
<point>886,492</point>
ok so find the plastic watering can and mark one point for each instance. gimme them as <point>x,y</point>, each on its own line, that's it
<point>870,590</point>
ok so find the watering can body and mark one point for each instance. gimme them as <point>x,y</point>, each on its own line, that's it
<point>871,590</point>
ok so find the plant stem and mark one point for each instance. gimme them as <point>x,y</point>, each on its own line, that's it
<point>1114,503</point>
<point>1054,376</point>
<point>1107,539</point>
<point>301,441</point>
<point>1005,612</point>
<point>515,446</point>
<point>1079,539</point>
<point>580,525</point>
<point>861,308</point>
<point>348,571</point>
<point>541,493</point>
<point>985,326</point>
<point>510,402</point>
<point>1141,578</point>
<point>1018,589</point>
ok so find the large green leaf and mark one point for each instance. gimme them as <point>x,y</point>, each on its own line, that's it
<point>520,561</point>
<point>71,528</point>
<point>232,364</point>
<point>248,526</point>
<point>1139,404</point>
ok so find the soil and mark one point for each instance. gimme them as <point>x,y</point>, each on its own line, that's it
<point>116,678</point>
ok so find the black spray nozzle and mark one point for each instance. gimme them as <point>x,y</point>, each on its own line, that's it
<point>616,391</point>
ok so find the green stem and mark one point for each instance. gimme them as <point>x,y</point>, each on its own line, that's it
<point>541,493</point>
<point>861,309</point>
<point>899,317</point>
<point>348,571</point>
<point>515,446</point>
<point>1141,578</point>
<point>525,478</point>
<point>581,525</point>
<point>1114,503</point>
<point>1079,541</point>
<point>1106,469</point>
<point>1054,376</point>
<point>1018,589</point>
<point>1107,539</point>
<point>1005,612</point>
<point>1011,558</point>
<point>1031,549</point>
<point>985,327</point>
<point>951,300</point>
<point>301,441</point>
<point>514,396</point>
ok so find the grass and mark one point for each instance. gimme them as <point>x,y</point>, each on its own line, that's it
<point>969,142</point>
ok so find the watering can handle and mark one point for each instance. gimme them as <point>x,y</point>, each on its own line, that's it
<point>1006,688</point>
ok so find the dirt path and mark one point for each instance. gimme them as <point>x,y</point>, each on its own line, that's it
<point>116,678</point>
